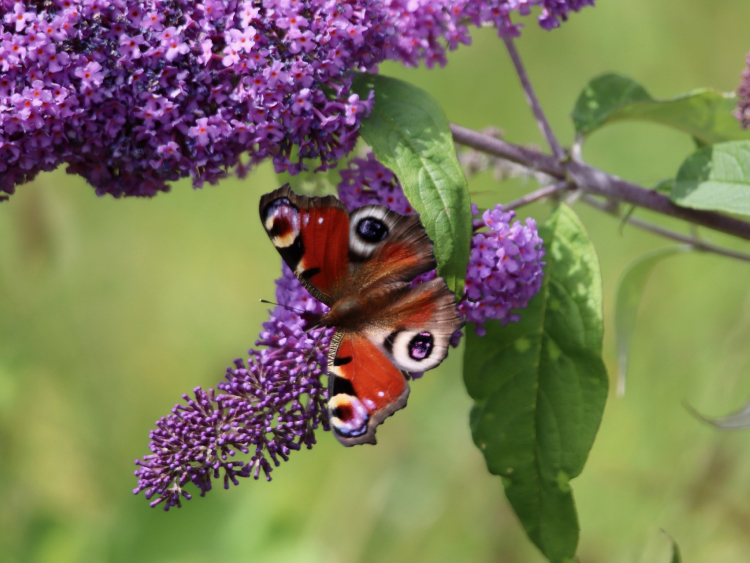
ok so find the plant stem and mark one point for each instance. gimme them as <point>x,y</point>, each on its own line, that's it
<point>541,119</point>
<point>696,243</point>
<point>598,182</point>
<point>515,153</point>
<point>538,194</point>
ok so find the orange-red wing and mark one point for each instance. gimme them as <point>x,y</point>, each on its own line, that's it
<point>364,388</point>
<point>312,236</point>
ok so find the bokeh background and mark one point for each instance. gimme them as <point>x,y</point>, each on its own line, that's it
<point>110,310</point>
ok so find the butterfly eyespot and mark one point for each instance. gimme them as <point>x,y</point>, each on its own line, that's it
<point>342,412</point>
<point>282,221</point>
<point>272,207</point>
<point>372,230</point>
<point>348,415</point>
<point>421,346</point>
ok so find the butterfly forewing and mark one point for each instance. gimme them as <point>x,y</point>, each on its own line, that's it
<point>386,247</point>
<point>312,236</point>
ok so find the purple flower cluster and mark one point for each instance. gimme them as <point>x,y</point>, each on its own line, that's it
<point>426,29</point>
<point>743,98</point>
<point>133,94</point>
<point>267,408</point>
<point>505,267</point>
<point>365,181</point>
<point>506,261</point>
<point>555,11</point>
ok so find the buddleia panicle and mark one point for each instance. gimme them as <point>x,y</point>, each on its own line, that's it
<point>134,94</point>
<point>268,407</point>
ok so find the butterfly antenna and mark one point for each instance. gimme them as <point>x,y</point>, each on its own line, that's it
<point>294,309</point>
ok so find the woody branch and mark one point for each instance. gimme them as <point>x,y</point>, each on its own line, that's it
<point>576,175</point>
<point>590,179</point>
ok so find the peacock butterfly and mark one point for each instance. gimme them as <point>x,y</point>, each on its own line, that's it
<point>361,265</point>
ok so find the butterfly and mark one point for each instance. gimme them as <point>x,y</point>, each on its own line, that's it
<point>361,264</point>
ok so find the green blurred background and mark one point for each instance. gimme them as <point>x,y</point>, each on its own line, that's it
<point>110,310</point>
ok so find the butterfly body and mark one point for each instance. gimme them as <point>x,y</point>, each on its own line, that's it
<point>362,266</point>
<point>356,311</point>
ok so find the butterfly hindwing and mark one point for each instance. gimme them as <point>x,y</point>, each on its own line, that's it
<point>415,328</point>
<point>312,236</point>
<point>364,388</point>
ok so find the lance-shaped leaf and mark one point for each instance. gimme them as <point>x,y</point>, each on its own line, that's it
<point>676,556</point>
<point>539,388</point>
<point>705,114</point>
<point>716,178</point>
<point>629,290</point>
<point>409,133</point>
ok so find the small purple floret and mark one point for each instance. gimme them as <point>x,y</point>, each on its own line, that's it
<point>743,97</point>
<point>365,181</point>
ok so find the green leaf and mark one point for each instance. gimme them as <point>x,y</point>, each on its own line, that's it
<point>409,133</point>
<point>716,178</point>
<point>676,557</point>
<point>629,290</point>
<point>602,97</point>
<point>539,388</point>
<point>707,115</point>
